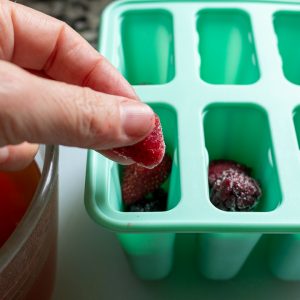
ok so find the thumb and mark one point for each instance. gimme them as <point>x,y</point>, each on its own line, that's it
<point>39,110</point>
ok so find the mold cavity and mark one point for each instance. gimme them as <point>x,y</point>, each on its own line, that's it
<point>287,28</point>
<point>241,132</point>
<point>172,185</point>
<point>147,46</point>
<point>226,47</point>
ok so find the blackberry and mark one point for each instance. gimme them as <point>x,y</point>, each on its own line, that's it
<point>155,201</point>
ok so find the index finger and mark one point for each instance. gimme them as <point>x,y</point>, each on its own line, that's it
<point>39,42</point>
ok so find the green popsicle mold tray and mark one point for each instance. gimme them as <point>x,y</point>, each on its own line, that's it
<point>224,78</point>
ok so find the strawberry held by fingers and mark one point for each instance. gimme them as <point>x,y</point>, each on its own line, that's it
<point>149,152</point>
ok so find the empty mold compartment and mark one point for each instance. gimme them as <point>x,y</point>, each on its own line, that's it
<point>287,28</point>
<point>151,254</point>
<point>238,132</point>
<point>226,47</point>
<point>147,47</point>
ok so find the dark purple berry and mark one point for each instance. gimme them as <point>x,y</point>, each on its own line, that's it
<point>155,201</point>
<point>235,191</point>
<point>217,167</point>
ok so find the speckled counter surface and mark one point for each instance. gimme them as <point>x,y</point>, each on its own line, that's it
<point>82,15</point>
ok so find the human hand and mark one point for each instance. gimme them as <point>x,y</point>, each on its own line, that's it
<point>56,89</point>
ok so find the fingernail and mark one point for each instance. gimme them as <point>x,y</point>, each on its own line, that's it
<point>4,153</point>
<point>137,118</point>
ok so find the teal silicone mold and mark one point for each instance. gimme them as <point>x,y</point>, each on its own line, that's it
<point>223,77</point>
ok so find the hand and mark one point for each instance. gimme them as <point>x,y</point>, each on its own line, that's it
<point>56,89</point>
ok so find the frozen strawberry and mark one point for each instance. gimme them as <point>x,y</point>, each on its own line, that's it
<point>148,152</point>
<point>139,181</point>
<point>235,191</point>
<point>217,167</point>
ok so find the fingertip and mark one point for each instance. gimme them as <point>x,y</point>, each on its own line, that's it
<point>115,157</point>
<point>17,157</point>
<point>137,118</point>
<point>4,154</point>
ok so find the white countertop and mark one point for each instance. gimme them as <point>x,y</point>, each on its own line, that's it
<point>91,264</point>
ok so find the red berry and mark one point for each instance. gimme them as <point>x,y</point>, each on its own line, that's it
<point>148,152</point>
<point>139,181</point>
<point>217,167</point>
<point>235,191</point>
